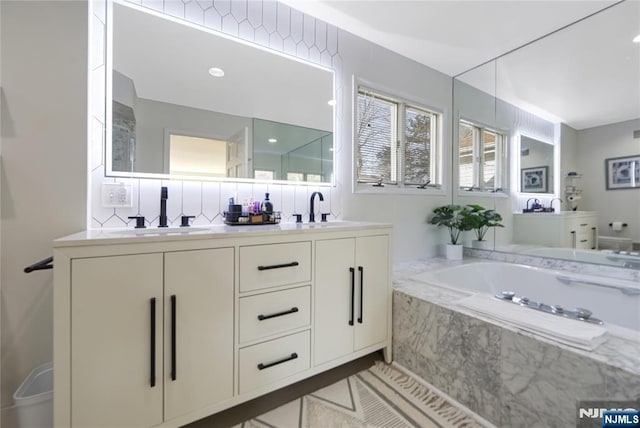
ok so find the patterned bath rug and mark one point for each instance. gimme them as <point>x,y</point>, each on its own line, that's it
<point>380,397</point>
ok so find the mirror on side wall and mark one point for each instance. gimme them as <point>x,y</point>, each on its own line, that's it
<point>188,102</point>
<point>567,103</point>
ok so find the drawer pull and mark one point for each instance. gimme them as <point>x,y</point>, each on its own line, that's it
<point>293,356</point>
<point>284,265</point>
<point>584,224</point>
<point>152,374</point>
<point>174,373</point>
<point>278,314</point>
<point>353,293</point>
<point>361,269</point>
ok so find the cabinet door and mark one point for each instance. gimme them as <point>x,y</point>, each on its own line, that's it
<point>334,308</point>
<point>112,330</point>
<point>372,293</point>
<point>198,329</point>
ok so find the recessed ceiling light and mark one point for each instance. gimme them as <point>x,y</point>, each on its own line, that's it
<point>216,72</point>
<point>636,39</point>
<point>272,140</point>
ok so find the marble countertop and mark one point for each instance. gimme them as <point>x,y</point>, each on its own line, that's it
<point>109,236</point>
<point>618,350</point>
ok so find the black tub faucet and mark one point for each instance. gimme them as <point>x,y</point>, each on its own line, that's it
<point>164,195</point>
<point>312,215</point>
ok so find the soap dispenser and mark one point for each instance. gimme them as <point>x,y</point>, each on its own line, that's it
<point>267,206</point>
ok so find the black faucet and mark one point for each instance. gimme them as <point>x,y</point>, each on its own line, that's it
<point>164,195</point>
<point>551,203</point>
<point>536,204</point>
<point>312,215</point>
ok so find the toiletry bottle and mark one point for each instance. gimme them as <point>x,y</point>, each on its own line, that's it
<point>267,206</point>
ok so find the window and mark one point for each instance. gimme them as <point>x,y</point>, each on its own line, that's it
<point>482,158</point>
<point>397,142</point>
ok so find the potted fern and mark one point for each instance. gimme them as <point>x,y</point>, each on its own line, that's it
<point>482,220</point>
<point>456,219</point>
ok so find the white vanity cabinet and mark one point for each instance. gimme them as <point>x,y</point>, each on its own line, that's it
<point>146,329</point>
<point>569,229</point>
<point>160,330</point>
<point>274,304</point>
<point>351,295</point>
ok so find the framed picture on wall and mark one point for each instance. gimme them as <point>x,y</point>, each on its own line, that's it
<point>534,180</point>
<point>623,172</point>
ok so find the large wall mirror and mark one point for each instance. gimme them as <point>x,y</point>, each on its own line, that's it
<point>568,103</point>
<point>188,102</point>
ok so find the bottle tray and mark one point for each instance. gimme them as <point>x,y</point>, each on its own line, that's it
<point>251,219</point>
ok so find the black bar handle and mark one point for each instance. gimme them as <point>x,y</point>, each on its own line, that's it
<point>41,265</point>
<point>277,314</point>
<point>353,291</point>
<point>152,380</point>
<point>284,265</point>
<point>293,356</point>
<point>361,269</point>
<point>595,237</point>
<point>173,337</point>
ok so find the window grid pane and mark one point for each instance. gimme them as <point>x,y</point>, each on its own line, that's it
<point>466,134</point>
<point>419,149</point>
<point>376,135</point>
<point>489,160</point>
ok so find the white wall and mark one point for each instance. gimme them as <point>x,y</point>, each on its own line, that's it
<point>44,168</point>
<point>594,146</point>
<point>413,237</point>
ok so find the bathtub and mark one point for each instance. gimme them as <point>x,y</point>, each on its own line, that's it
<point>605,257</point>
<point>614,301</point>
<point>509,375</point>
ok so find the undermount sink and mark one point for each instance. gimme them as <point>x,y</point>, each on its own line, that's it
<point>159,231</point>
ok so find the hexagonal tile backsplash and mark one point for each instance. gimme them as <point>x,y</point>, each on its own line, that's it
<point>267,23</point>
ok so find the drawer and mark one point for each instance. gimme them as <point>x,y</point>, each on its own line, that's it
<point>270,313</point>
<point>271,361</point>
<point>264,266</point>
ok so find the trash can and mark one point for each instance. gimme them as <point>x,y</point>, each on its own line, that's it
<point>34,398</point>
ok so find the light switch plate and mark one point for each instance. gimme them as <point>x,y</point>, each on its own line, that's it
<point>117,195</point>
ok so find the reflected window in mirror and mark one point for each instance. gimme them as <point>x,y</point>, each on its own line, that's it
<point>398,142</point>
<point>264,175</point>
<point>482,155</point>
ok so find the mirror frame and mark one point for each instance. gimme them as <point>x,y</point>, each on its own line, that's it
<point>108,170</point>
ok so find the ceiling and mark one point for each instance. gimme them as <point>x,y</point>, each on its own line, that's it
<point>449,36</point>
<point>455,36</point>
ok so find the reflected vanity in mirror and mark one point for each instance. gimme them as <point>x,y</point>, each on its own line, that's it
<point>189,102</point>
<point>567,103</point>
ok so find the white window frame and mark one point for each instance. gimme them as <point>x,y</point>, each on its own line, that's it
<point>501,157</point>
<point>437,187</point>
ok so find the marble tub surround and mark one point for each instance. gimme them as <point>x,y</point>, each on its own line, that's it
<point>558,264</point>
<point>509,376</point>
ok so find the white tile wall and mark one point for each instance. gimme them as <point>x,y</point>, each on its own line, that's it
<point>264,22</point>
